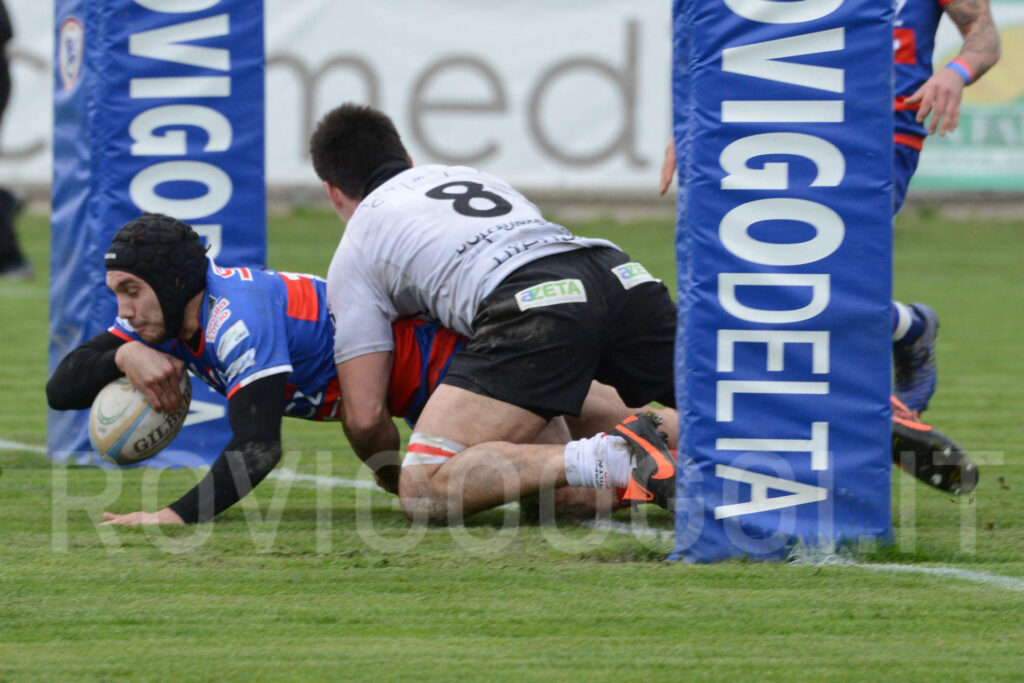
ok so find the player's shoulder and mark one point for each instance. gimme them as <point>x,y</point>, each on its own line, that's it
<point>420,195</point>
<point>238,300</point>
<point>241,282</point>
<point>347,256</point>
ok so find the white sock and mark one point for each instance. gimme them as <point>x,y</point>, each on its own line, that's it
<point>904,318</point>
<point>600,462</point>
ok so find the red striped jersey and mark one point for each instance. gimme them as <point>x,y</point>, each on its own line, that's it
<point>423,352</point>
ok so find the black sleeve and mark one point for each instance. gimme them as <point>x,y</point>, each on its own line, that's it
<point>255,415</point>
<point>83,372</point>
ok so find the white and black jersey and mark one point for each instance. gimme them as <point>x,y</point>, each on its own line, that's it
<point>433,241</point>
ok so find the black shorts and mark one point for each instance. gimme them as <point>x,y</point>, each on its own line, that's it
<point>538,344</point>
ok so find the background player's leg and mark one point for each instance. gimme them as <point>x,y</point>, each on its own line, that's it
<point>12,262</point>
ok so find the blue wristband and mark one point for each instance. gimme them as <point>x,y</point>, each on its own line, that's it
<point>961,71</point>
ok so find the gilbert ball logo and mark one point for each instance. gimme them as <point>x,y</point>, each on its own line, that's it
<point>70,52</point>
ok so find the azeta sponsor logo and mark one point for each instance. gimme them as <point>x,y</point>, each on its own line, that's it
<point>632,274</point>
<point>551,293</point>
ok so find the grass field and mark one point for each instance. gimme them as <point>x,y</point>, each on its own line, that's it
<point>313,578</point>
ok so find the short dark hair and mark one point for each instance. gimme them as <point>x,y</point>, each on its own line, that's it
<point>350,143</point>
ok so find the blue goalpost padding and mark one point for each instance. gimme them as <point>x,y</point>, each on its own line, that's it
<point>783,130</point>
<point>158,106</point>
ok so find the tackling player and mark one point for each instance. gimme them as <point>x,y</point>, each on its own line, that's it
<point>545,313</point>
<point>265,340</point>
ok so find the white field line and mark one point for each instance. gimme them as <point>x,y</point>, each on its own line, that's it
<point>617,527</point>
<point>6,445</point>
<point>1007,582</point>
<point>334,482</point>
<point>982,577</point>
<point>11,292</point>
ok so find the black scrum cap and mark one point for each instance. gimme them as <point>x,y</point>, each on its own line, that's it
<point>168,255</point>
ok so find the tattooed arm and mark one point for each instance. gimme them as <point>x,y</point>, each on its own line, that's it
<point>940,95</point>
<point>981,39</point>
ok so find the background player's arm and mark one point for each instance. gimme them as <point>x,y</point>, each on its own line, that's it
<point>940,95</point>
<point>981,48</point>
<point>254,412</point>
<point>668,167</point>
<point>363,382</point>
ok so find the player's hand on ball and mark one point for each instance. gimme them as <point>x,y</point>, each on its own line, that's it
<point>156,374</point>
<point>164,516</point>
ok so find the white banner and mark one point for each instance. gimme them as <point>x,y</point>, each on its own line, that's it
<point>566,94</point>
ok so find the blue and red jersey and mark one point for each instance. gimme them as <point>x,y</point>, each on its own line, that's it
<point>913,43</point>
<point>259,323</point>
<point>423,352</point>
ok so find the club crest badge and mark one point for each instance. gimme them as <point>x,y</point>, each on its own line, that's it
<point>70,52</point>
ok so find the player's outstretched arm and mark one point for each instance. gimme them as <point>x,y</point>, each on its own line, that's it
<point>941,94</point>
<point>254,412</point>
<point>82,373</point>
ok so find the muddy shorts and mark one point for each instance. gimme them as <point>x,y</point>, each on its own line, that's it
<point>559,322</point>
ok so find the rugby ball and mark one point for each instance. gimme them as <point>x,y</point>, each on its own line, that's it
<point>124,429</point>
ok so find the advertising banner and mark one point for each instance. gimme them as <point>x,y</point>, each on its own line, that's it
<point>785,240</point>
<point>577,100</point>
<point>577,97</point>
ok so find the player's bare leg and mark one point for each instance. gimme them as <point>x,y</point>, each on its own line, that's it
<point>492,473</point>
<point>603,409</point>
<point>475,479</point>
<point>479,478</point>
<point>555,432</point>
